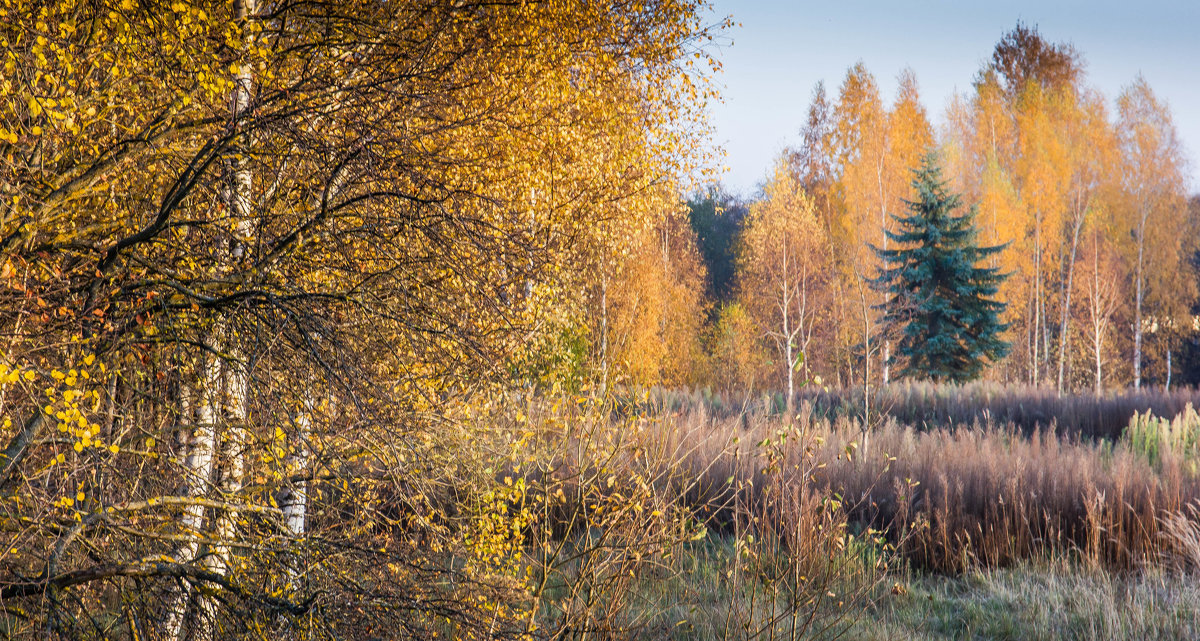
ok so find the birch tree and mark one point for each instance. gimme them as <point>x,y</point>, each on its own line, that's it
<point>781,271</point>
<point>253,254</point>
<point>1153,187</point>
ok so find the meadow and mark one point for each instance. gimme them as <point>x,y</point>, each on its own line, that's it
<point>369,320</point>
<point>952,512</point>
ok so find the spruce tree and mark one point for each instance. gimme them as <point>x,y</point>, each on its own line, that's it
<point>939,296</point>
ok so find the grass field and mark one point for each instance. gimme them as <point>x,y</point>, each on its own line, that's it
<point>1048,600</point>
<point>818,527</point>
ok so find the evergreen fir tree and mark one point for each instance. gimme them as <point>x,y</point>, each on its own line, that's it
<point>939,296</point>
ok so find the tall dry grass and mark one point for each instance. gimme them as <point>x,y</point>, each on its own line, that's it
<point>954,497</point>
<point>799,525</point>
<point>627,508</point>
<point>928,405</point>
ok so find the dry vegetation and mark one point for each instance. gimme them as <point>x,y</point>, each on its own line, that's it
<point>300,304</point>
<point>724,524</point>
<point>969,489</point>
<point>922,405</point>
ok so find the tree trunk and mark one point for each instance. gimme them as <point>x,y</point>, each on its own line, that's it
<point>603,332</point>
<point>197,477</point>
<point>887,357</point>
<point>1137,313</point>
<point>887,344</point>
<point>237,377</point>
<point>293,501</point>
<point>229,393</point>
<point>1066,311</point>
<point>787,351</point>
<point>866,317</point>
<point>1037,295</point>
<point>1097,324</point>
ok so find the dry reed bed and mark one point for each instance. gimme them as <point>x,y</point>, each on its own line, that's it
<point>957,497</point>
<point>923,404</point>
<point>949,498</point>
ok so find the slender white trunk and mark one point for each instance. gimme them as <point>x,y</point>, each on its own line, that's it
<point>1137,314</point>
<point>235,377</point>
<point>1030,345</point>
<point>1037,306</point>
<point>1046,324</point>
<point>603,332</point>
<point>887,359</point>
<point>788,359</point>
<point>293,501</point>
<point>233,445</point>
<point>197,479</point>
<point>1097,324</point>
<point>887,344</point>
<point>804,324</point>
<point>866,426</point>
<point>1066,315</point>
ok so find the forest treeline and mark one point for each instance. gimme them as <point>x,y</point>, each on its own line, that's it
<point>1090,204</point>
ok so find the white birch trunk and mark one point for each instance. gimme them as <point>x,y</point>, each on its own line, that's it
<point>235,378</point>
<point>1137,314</point>
<point>787,351</point>
<point>197,477</point>
<point>785,307</point>
<point>1097,324</point>
<point>1066,311</point>
<point>293,501</point>
<point>887,344</point>
<point>1037,307</point>
<point>866,426</point>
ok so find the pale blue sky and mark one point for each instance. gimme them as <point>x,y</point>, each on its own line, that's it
<point>782,49</point>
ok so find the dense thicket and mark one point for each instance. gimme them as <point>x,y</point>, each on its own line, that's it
<point>258,258</point>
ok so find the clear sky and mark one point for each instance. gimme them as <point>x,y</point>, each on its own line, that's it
<point>783,48</point>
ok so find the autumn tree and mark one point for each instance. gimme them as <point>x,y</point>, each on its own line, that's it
<point>652,308</point>
<point>816,163</point>
<point>735,345</point>
<point>1034,149</point>
<point>1155,207</point>
<point>781,271</point>
<point>252,253</point>
<point>1102,294</point>
<point>1090,151</point>
<point>855,158</point>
